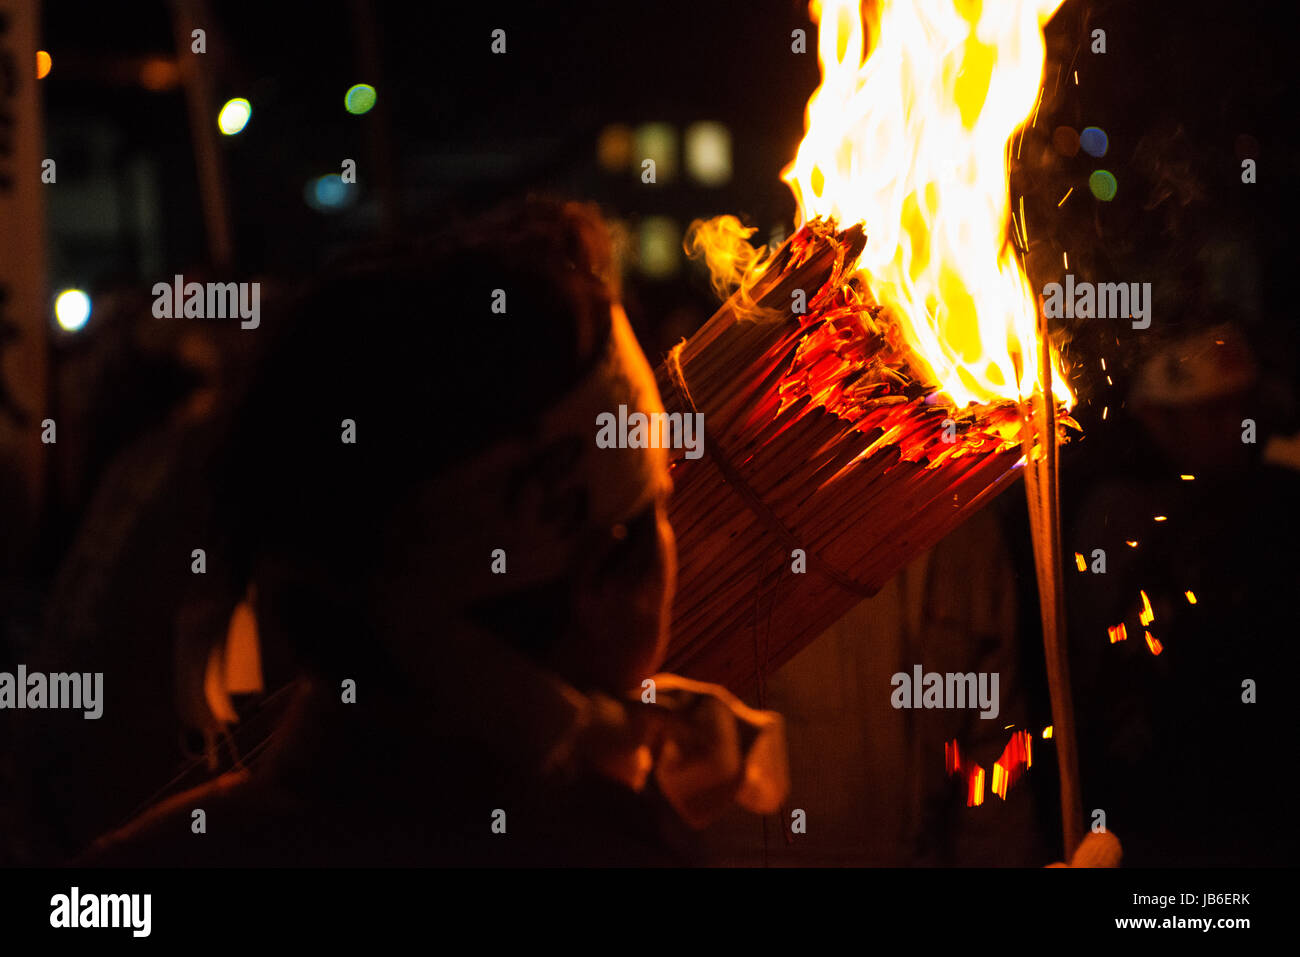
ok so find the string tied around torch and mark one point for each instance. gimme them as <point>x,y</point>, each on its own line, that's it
<point>753,501</point>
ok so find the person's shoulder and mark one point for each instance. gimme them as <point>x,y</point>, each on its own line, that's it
<point>176,831</point>
<point>480,820</point>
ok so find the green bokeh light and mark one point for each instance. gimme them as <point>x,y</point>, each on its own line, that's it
<point>1103,185</point>
<point>360,99</point>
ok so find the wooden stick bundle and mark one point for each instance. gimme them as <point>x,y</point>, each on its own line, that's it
<point>828,465</point>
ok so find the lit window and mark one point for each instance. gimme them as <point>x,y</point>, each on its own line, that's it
<point>658,142</point>
<point>661,246</point>
<point>614,148</point>
<point>708,153</point>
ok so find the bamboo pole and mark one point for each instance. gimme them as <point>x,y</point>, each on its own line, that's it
<point>187,16</point>
<point>1042,490</point>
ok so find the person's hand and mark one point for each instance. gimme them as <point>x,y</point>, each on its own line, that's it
<point>1097,849</point>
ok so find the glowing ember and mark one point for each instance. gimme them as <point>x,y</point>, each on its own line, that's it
<point>975,787</point>
<point>1047,731</point>
<point>1131,543</point>
<point>951,757</point>
<point>1146,616</point>
<point>1080,563</point>
<point>1016,757</point>
<point>1154,644</point>
<point>912,142</point>
<point>999,785</point>
<point>1117,633</point>
<point>1191,596</point>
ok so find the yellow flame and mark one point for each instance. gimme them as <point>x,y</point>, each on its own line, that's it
<point>723,244</point>
<point>912,142</point>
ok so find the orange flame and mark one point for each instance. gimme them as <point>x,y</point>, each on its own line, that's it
<point>1154,644</point>
<point>723,244</point>
<point>912,142</point>
<point>1117,633</point>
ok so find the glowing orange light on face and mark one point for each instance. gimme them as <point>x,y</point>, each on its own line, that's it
<point>912,142</point>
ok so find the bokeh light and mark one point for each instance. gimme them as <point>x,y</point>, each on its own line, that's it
<point>658,142</point>
<point>328,193</point>
<point>44,63</point>
<point>614,148</point>
<point>708,153</point>
<point>234,116</point>
<point>72,309</point>
<point>159,74</point>
<point>1066,140</point>
<point>360,99</point>
<point>660,247</point>
<point>1103,185</point>
<point>1094,141</point>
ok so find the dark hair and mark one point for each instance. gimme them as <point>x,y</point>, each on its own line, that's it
<point>403,342</point>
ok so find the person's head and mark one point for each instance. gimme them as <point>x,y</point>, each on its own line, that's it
<point>1192,395</point>
<point>419,449</point>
